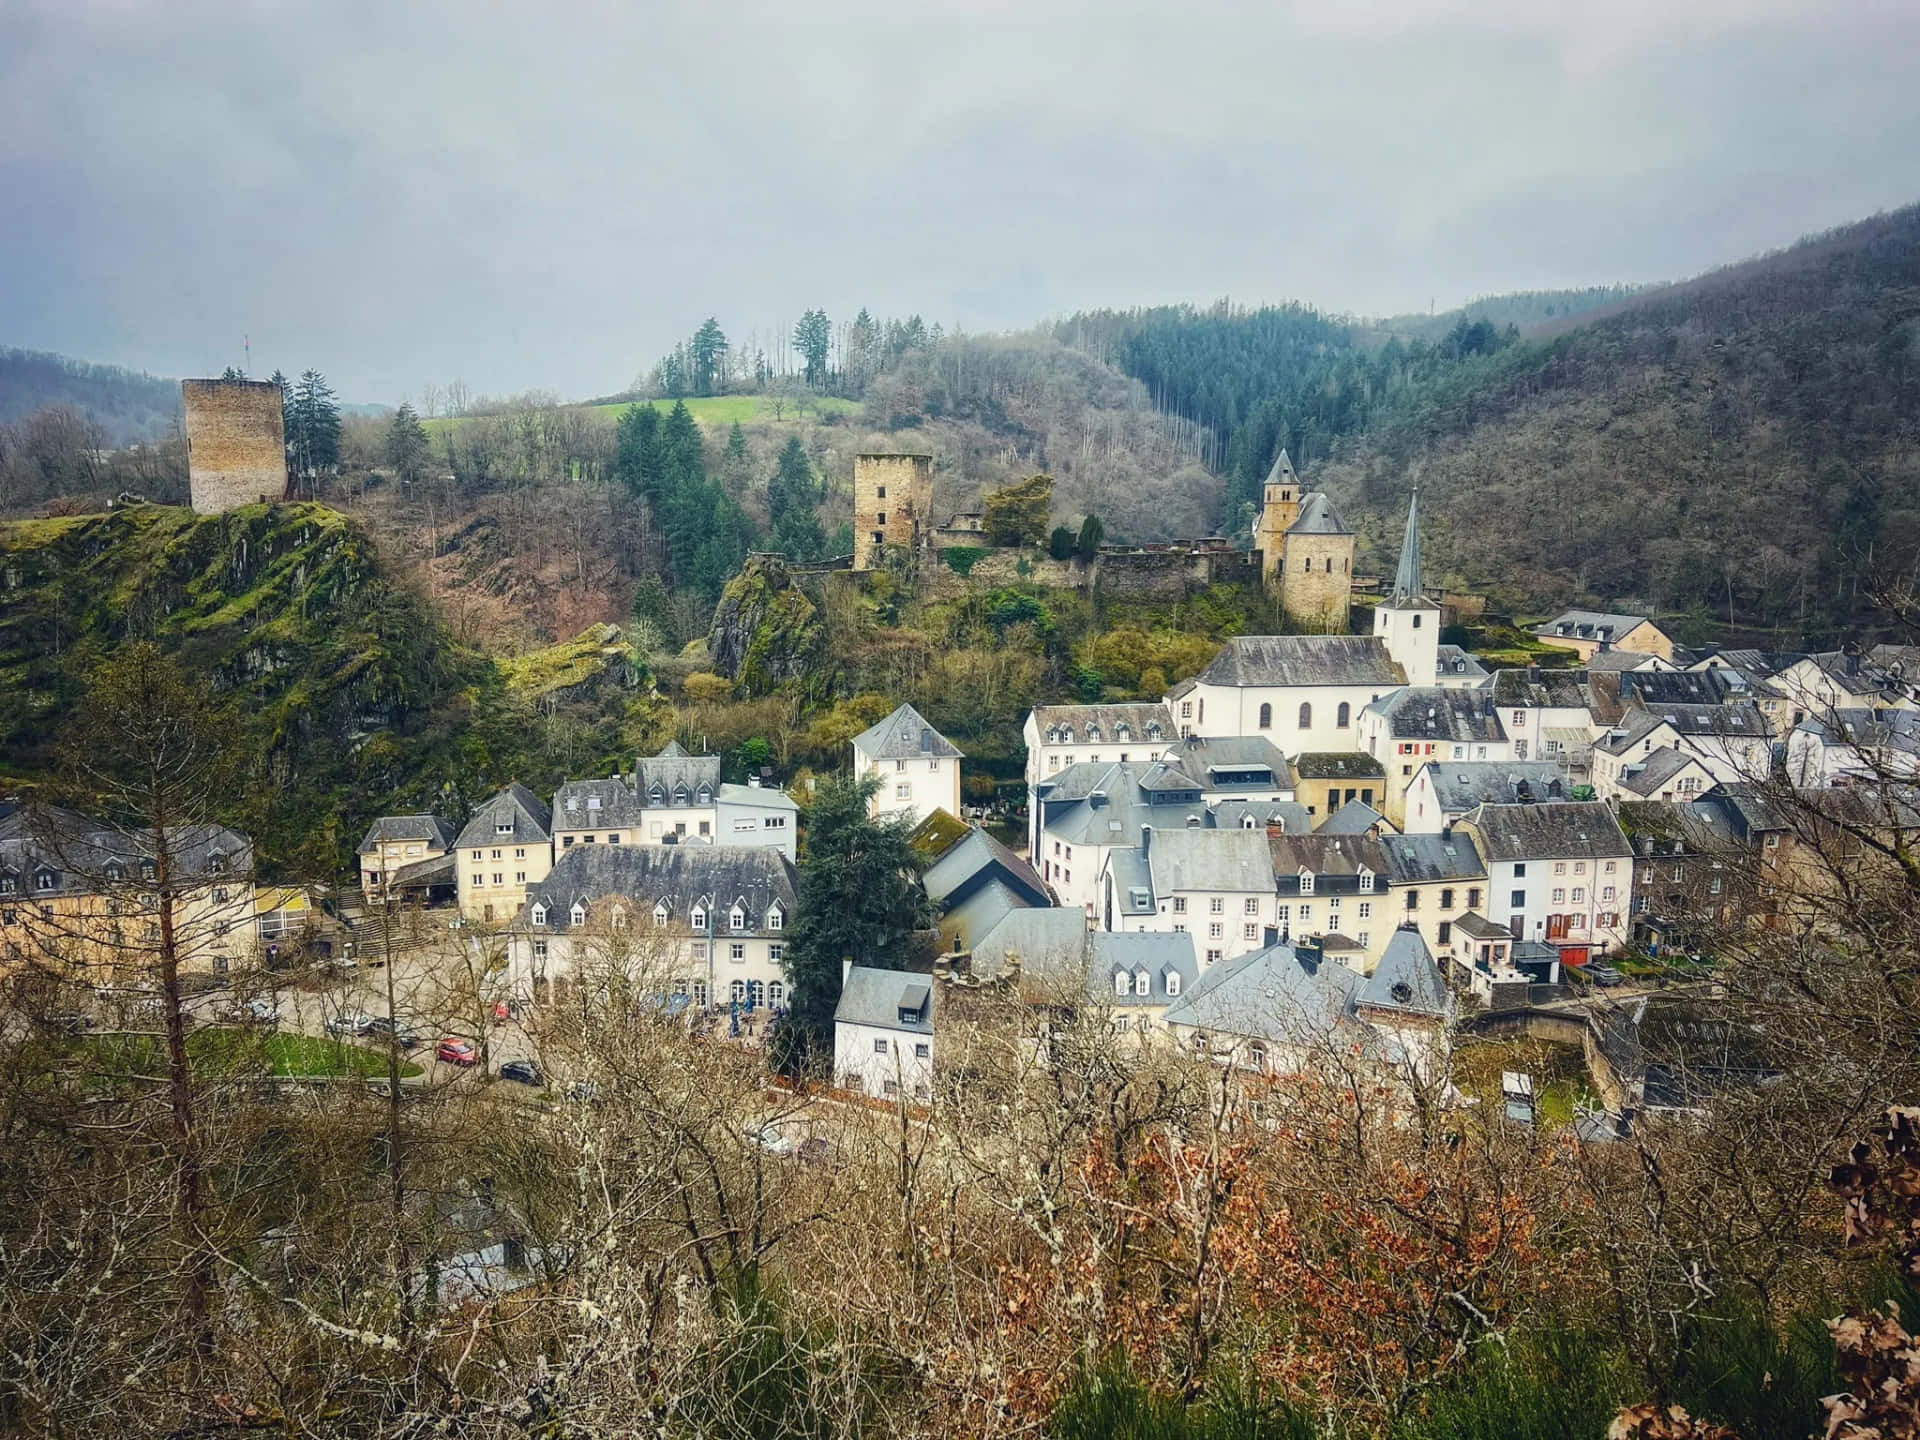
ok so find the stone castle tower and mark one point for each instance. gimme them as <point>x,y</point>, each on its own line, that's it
<point>236,443</point>
<point>892,504</point>
<point>1306,552</point>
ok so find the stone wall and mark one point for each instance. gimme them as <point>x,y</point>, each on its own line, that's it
<point>236,443</point>
<point>892,504</point>
<point>1316,582</point>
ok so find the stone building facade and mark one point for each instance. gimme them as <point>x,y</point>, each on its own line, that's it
<point>1306,552</point>
<point>236,443</point>
<point>892,504</point>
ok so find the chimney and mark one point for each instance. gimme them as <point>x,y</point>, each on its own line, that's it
<point>1446,831</point>
<point>846,970</point>
<point>1146,839</point>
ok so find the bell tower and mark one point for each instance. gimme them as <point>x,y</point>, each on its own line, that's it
<point>1408,621</point>
<point>1280,507</point>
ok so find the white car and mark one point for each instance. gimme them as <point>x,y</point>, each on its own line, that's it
<point>769,1139</point>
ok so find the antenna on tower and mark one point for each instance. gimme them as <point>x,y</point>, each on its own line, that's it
<point>246,346</point>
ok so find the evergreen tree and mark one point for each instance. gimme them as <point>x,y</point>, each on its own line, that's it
<point>313,434</point>
<point>1060,543</point>
<point>813,337</point>
<point>736,446</point>
<point>707,356</point>
<point>1092,532</point>
<point>407,448</point>
<point>792,494</point>
<point>859,900</point>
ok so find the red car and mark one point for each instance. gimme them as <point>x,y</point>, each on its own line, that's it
<point>455,1051</point>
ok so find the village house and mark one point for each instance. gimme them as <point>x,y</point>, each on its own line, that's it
<point>1434,881</point>
<point>1691,874</point>
<point>883,1032</point>
<point>1589,632</point>
<point>1849,746</point>
<point>1125,981</point>
<point>918,768</point>
<point>1059,736</point>
<point>1325,781</point>
<point>1750,674</point>
<point>1883,677</point>
<point>1445,792</point>
<point>1729,741</point>
<point>1661,775</point>
<point>1287,1008</point>
<point>1214,884</point>
<point>396,841</point>
<point>1560,873</point>
<point>506,847</point>
<point>704,924</point>
<point>1548,715</point>
<point>973,880</point>
<point>673,798</point>
<point>78,895</point>
<point>1421,725</point>
<point>1086,811</point>
<point>1333,889</point>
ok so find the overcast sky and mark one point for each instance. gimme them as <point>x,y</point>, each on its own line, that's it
<point>548,195</point>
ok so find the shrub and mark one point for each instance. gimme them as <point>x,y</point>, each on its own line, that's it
<point>706,688</point>
<point>962,558</point>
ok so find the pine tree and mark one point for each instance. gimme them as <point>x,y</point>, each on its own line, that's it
<point>314,433</point>
<point>792,494</point>
<point>1092,532</point>
<point>859,901</point>
<point>707,356</point>
<point>407,448</point>
<point>813,337</point>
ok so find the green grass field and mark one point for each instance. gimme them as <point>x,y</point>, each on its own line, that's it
<point>718,410</point>
<point>222,1051</point>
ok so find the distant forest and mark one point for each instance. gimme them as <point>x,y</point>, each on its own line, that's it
<point>127,405</point>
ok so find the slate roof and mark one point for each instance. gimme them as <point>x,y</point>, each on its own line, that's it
<point>1222,761</point>
<point>904,735</point>
<point>672,768</point>
<point>1656,688</point>
<point>516,805</point>
<point>1589,625</point>
<point>1337,765</point>
<point>1429,859</point>
<point>1859,726</point>
<point>1645,777</point>
<point>963,923</point>
<point>1407,589</point>
<point>1617,661</point>
<point>975,854</point>
<point>1460,785</point>
<point>1431,713</point>
<point>1132,883</point>
<point>1356,817</point>
<point>440,870</point>
<point>1161,954</point>
<point>1303,660</point>
<point>1282,993</point>
<point>1318,517</point>
<point>1454,661</point>
<point>1542,689</point>
<point>1128,796</point>
<point>1572,830</point>
<point>1407,980</point>
<point>1333,859</point>
<point>595,803</point>
<point>878,998</point>
<point>1209,860</point>
<point>396,829</point>
<point>1737,720</point>
<point>715,877</point>
<point>1078,722</point>
<point>78,851</point>
<point>1289,815</point>
<point>1048,941</point>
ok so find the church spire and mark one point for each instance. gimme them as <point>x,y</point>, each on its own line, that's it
<point>1406,581</point>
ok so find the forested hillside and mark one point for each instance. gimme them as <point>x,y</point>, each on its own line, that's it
<point>127,405</point>
<point>1742,447</point>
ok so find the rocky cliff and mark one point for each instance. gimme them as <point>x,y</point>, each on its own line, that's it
<point>765,632</point>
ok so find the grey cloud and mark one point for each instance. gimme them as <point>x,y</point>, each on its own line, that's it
<point>549,195</point>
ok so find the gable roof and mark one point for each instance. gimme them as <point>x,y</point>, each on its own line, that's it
<point>1282,993</point>
<point>1607,628</point>
<point>1356,817</point>
<point>1459,785</point>
<point>1107,719</point>
<point>393,829</point>
<point>1337,765</point>
<point>1542,688</point>
<point>515,806</point>
<point>1573,830</point>
<point>1422,712</point>
<point>1424,859</point>
<point>886,1000</point>
<point>1045,938</point>
<point>1303,660</point>
<point>713,876</point>
<point>1325,855</point>
<point>674,767</point>
<point>78,849</point>
<point>1736,720</point>
<point>1459,663</point>
<point>1228,762</point>
<point>904,735</point>
<point>1209,860</point>
<point>1407,979</point>
<point>1644,777</point>
<point>973,858</point>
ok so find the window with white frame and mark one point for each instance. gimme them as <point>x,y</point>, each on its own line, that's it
<point>660,913</point>
<point>698,919</point>
<point>1217,905</point>
<point>1142,983</point>
<point>539,914</point>
<point>1173,982</point>
<point>1306,882</point>
<point>578,914</point>
<point>1366,882</point>
<point>736,951</point>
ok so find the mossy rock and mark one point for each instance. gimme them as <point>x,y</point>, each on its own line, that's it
<point>766,633</point>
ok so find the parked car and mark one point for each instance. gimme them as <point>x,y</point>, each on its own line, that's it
<point>525,1071</point>
<point>1605,975</point>
<point>455,1051</point>
<point>349,1022</point>
<point>409,1038</point>
<point>262,1011</point>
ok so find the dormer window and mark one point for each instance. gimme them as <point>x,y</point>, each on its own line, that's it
<point>1366,882</point>
<point>503,827</point>
<point>680,795</point>
<point>1153,730</point>
<point>737,919</point>
<point>593,802</point>
<point>617,920</point>
<point>706,794</point>
<point>1247,822</point>
<point>698,919</point>
<point>216,863</point>
<point>1142,983</point>
<point>578,914</point>
<point>660,913</point>
<point>115,871</point>
<point>657,794</point>
<point>573,803</point>
<point>539,914</point>
<point>1173,982</point>
<point>1306,882</point>
<point>45,880</point>
<point>1122,983</point>
<point>774,918</point>
<point>6,884</point>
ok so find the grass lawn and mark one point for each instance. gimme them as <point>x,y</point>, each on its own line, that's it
<point>224,1051</point>
<point>716,410</point>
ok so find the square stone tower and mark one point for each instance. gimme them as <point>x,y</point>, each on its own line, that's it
<point>236,443</point>
<point>892,504</point>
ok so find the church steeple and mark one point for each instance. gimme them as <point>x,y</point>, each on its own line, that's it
<point>1406,581</point>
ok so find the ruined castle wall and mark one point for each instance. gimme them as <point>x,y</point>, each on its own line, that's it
<point>236,443</point>
<point>892,504</point>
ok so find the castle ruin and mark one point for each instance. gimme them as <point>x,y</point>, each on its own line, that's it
<point>236,443</point>
<point>892,504</point>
